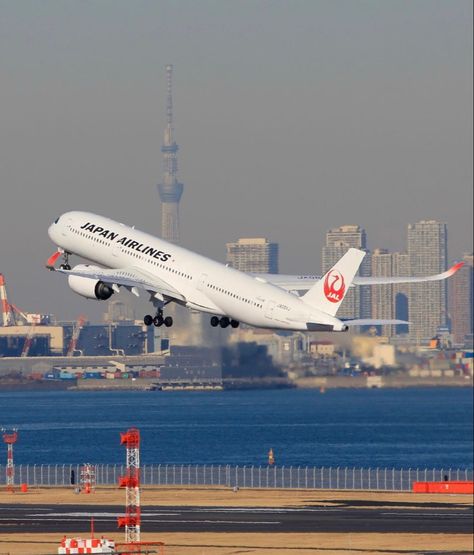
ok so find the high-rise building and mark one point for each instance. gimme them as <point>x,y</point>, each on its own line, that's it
<point>338,240</point>
<point>400,268</point>
<point>118,311</point>
<point>255,255</point>
<point>390,301</point>
<point>170,189</point>
<point>427,251</point>
<point>460,301</point>
<point>382,295</point>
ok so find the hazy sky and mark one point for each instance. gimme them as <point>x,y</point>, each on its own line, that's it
<point>292,117</point>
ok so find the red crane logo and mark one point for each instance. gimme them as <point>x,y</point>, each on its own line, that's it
<point>334,286</point>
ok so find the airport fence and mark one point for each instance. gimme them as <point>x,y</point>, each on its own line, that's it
<point>284,477</point>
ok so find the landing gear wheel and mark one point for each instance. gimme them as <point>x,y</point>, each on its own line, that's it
<point>65,265</point>
<point>224,322</point>
<point>168,321</point>
<point>234,323</point>
<point>214,321</point>
<point>148,320</point>
<point>158,321</point>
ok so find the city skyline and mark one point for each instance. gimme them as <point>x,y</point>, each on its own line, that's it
<point>348,124</point>
<point>255,255</point>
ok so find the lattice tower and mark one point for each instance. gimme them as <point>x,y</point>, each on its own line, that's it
<point>131,482</point>
<point>10,439</point>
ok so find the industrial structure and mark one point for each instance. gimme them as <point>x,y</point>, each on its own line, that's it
<point>10,438</point>
<point>131,482</point>
<point>170,189</point>
<point>7,314</point>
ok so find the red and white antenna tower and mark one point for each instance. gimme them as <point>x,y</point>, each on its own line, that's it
<point>131,482</point>
<point>8,316</point>
<point>10,438</point>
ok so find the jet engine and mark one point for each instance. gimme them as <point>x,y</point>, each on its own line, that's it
<point>89,288</point>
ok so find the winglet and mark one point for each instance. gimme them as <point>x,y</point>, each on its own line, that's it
<point>52,260</point>
<point>454,269</point>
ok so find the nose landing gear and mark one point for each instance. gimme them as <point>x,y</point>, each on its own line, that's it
<point>65,264</point>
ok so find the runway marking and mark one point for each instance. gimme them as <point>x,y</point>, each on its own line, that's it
<point>265,511</point>
<point>216,522</point>
<point>462,515</point>
<point>88,515</point>
<point>26,508</point>
<point>164,521</point>
<point>50,519</point>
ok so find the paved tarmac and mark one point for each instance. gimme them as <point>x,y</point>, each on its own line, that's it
<point>346,517</point>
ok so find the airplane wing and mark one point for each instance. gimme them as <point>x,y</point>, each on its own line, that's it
<point>289,282</point>
<point>305,282</point>
<point>132,278</point>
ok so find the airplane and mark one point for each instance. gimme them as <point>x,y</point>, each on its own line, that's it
<point>138,261</point>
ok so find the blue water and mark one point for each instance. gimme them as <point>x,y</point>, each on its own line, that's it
<point>367,428</point>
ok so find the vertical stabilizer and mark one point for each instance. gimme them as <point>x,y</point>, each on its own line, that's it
<point>329,292</point>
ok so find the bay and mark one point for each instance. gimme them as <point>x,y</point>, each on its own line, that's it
<point>401,428</point>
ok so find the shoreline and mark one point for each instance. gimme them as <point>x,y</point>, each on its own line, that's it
<point>230,384</point>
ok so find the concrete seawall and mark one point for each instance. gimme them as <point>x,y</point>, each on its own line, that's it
<point>331,382</point>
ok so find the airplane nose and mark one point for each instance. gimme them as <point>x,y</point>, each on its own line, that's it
<point>51,231</point>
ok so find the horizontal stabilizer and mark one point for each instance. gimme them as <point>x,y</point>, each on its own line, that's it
<point>373,322</point>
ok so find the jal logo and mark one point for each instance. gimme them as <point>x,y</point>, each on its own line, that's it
<point>334,286</point>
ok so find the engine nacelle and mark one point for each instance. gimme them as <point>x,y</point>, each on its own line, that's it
<point>89,288</point>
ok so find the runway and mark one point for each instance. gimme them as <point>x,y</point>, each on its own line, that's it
<point>346,517</point>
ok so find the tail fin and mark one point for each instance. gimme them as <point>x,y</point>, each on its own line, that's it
<point>329,292</point>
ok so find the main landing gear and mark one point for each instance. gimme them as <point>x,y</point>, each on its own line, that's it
<point>223,322</point>
<point>158,320</point>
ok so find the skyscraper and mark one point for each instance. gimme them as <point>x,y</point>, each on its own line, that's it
<point>427,251</point>
<point>338,240</point>
<point>390,301</point>
<point>170,189</point>
<point>460,301</point>
<point>400,268</point>
<point>255,255</point>
<point>382,295</point>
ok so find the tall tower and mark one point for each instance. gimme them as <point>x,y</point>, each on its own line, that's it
<point>131,482</point>
<point>170,189</point>
<point>10,439</point>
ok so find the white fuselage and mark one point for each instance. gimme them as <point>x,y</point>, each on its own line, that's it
<point>207,285</point>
